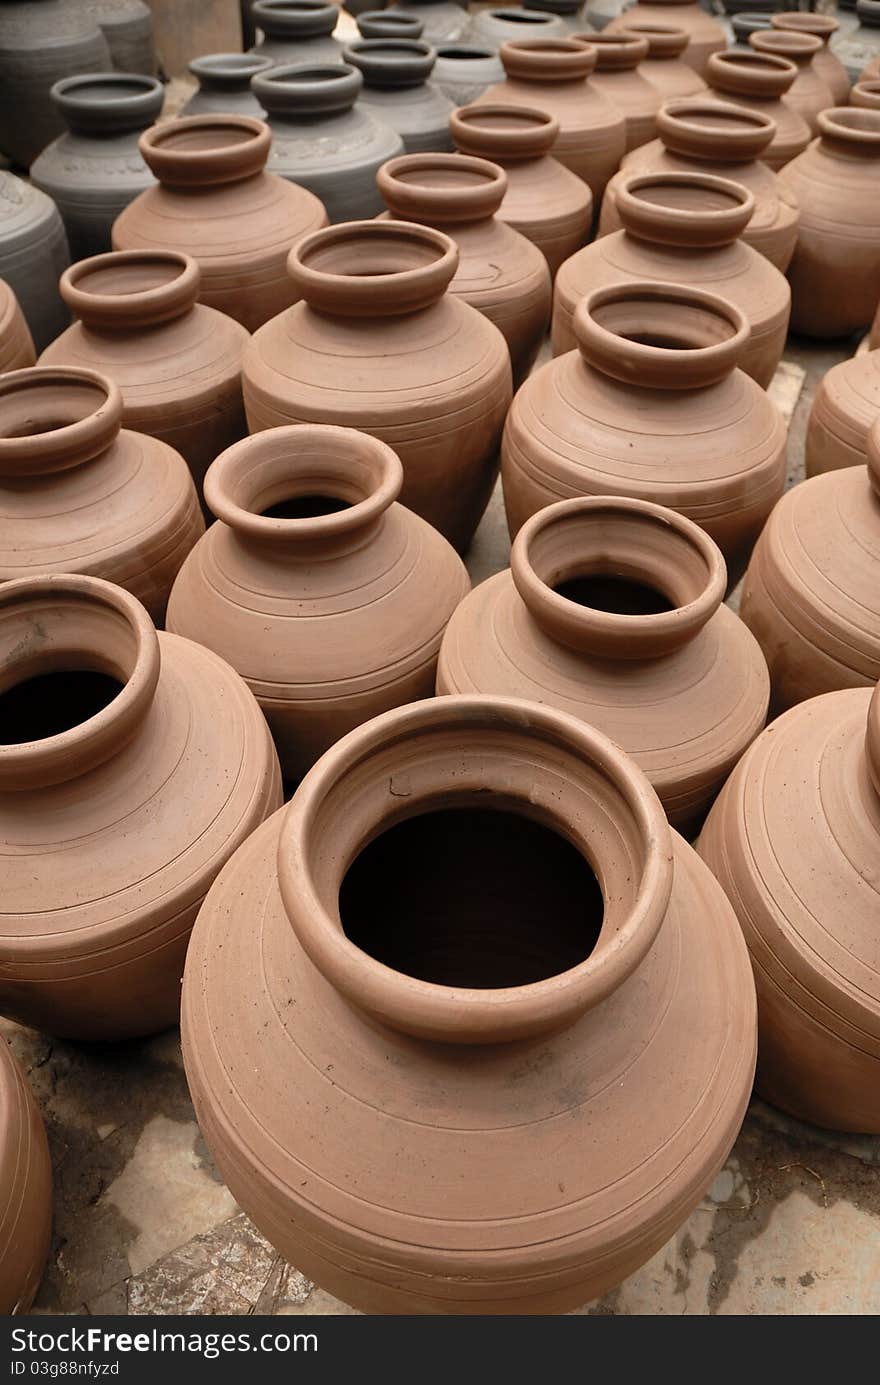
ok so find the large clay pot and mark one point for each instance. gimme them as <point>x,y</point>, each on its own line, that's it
<point>497,26</point>
<point>845,405</point>
<point>553,76</point>
<point>499,272</point>
<point>151,755</point>
<point>664,65</point>
<point>760,82</point>
<point>328,598</point>
<point>296,31</point>
<point>544,201</point>
<point>700,135</point>
<point>835,273</point>
<point>25,1188</point>
<point>33,253</point>
<point>825,63</point>
<point>389,24</point>
<point>323,139</point>
<point>79,495</point>
<point>463,71</point>
<point>652,406</point>
<point>397,91</point>
<point>216,202</point>
<point>794,839</point>
<point>705,34</point>
<point>808,94</point>
<point>617,77</point>
<point>683,228</point>
<point>177,362</point>
<point>127,26</point>
<point>610,607</point>
<point>443,21</point>
<point>508,1059</point>
<point>40,42</point>
<point>94,170</point>
<point>16,342</point>
<point>225,84</point>
<point>811,596</point>
<point>379,344</point>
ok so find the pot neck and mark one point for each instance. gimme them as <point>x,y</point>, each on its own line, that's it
<point>389,24</point>
<point>307,91</point>
<point>702,128</point>
<point>228,71</point>
<point>798,48</point>
<point>55,418</point>
<point>131,290</point>
<point>684,210</point>
<point>620,52</point>
<point>548,61</point>
<point>294,19</point>
<point>373,268</point>
<point>490,754</point>
<point>665,41</point>
<point>851,132</point>
<point>441,189</point>
<point>761,75</point>
<point>505,134</point>
<point>795,21</point>
<point>196,152</point>
<point>104,104</point>
<point>390,63</point>
<point>70,624</point>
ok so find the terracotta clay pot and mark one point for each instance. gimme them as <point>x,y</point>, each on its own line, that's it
<point>216,202</point>
<point>432,375</point>
<point>147,751</point>
<point>617,77</point>
<point>127,26</point>
<point>664,65</point>
<point>328,598</point>
<point>835,273</point>
<point>811,596</point>
<point>16,342</point>
<point>79,495</point>
<point>760,81</point>
<point>25,1188</point>
<point>389,24</point>
<point>794,835</point>
<point>609,606</point>
<point>808,94</point>
<point>33,253</point>
<point>651,406</point>
<point>397,92</point>
<point>515,1029</point>
<point>845,405</point>
<point>322,140</point>
<point>683,228</point>
<point>552,76</point>
<point>463,71</point>
<point>177,363</point>
<point>225,84</point>
<point>866,94</point>
<point>41,41</point>
<point>825,63</point>
<point>705,34</point>
<point>94,170</point>
<point>498,26</point>
<point>499,273</point>
<point>544,201</point>
<point>442,21</point>
<point>700,135</point>
<point>296,31</point>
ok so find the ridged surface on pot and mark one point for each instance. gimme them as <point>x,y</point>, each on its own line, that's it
<point>794,840</point>
<point>760,81</point>
<point>16,343</point>
<point>514,1177</point>
<point>845,405</point>
<point>463,71</point>
<point>25,1188</point>
<point>92,941</point>
<point>811,596</point>
<point>505,23</point>
<point>433,382</point>
<point>237,221</point>
<point>177,362</point>
<point>835,273</point>
<point>77,494</point>
<point>225,84</point>
<point>398,93</point>
<point>826,63</point>
<point>665,66</point>
<point>127,26</point>
<point>618,77</point>
<point>808,94</point>
<point>705,34</point>
<point>33,254</point>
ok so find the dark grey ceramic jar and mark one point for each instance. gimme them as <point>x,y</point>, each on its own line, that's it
<point>497,26</point>
<point>95,170</point>
<point>127,25</point>
<point>33,256</point>
<point>745,24</point>
<point>322,139</point>
<point>389,24</point>
<point>463,71</point>
<point>225,84</point>
<point>443,19</point>
<point>397,90</point>
<point>296,31</point>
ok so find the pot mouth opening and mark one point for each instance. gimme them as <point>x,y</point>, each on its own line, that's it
<point>442,187</point>
<point>753,62</point>
<point>109,276</point>
<point>229,64</point>
<point>504,119</point>
<point>791,43</point>
<point>216,134</point>
<point>62,404</point>
<point>46,704</point>
<point>305,505</point>
<point>703,195</point>
<point>647,322</point>
<point>857,125</point>
<point>719,117</point>
<point>525,17</point>
<point>98,88</point>
<point>602,589</point>
<point>464,52</point>
<point>349,254</point>
<point>406,23</point>
<point>373,268</point>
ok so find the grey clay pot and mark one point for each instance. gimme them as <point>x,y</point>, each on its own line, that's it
<point>443,20</point>
<point>33,256</point>
<point>514,22</point>
<point>397,90</point>
<point>296,31</point>
<point>463,71</point>
<point>225,84</point>
<point>127,25</point>
<point>389,24</point>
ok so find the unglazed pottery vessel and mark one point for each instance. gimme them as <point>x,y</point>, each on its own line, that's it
<point>618,77</point>
<point>177,362</point>
<point>16,342</point>
<point>127,26</point>
<point>705,34</point>
<point>397,91</point>
<point>506,1054</point>
<point>808,94</point>
<point>683,228</point>
<point>443,21</point>
<point>33,253</point>
<point>760,81</point>
<point>499,272</point>
<point>296,31</point>
<point>794,839</point>
<point>25,1188</point>
<point>701,135</point>
<point>323,139</point>
<point>825,63</point>
<point>552,76</point>
<point>225,84</point>
<point>463,71</point>
<point>811,595</point>
<point>328,598</point>
<point>79,495</point>
<point>150,754</point>
<point>845,405</point>
<point>835,273</point>
<point>664,64</point>
<point>547,203</point>
<point>95,169</point>
<point>612,606</point>
<point>380,345</point>
<point>651,405</point>
<point>497,26</point>
<point>216,202</point>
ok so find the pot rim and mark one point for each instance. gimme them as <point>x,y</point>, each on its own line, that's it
<point>548,59</point>
<point>148,307</point>
<point>227,162</point>
<point>621,51</point>
<point>761,74</point>
<point>857,126</point>
<point>476,196</point>
<point>797,21</point>
<point>229,67</point>
<point>69,444</point>
<point>533,139</point>
<point>800,48</point>
<point>380,293</point>
<point>671,225</point>
<point>665,41</point>
<point>682,125</point>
